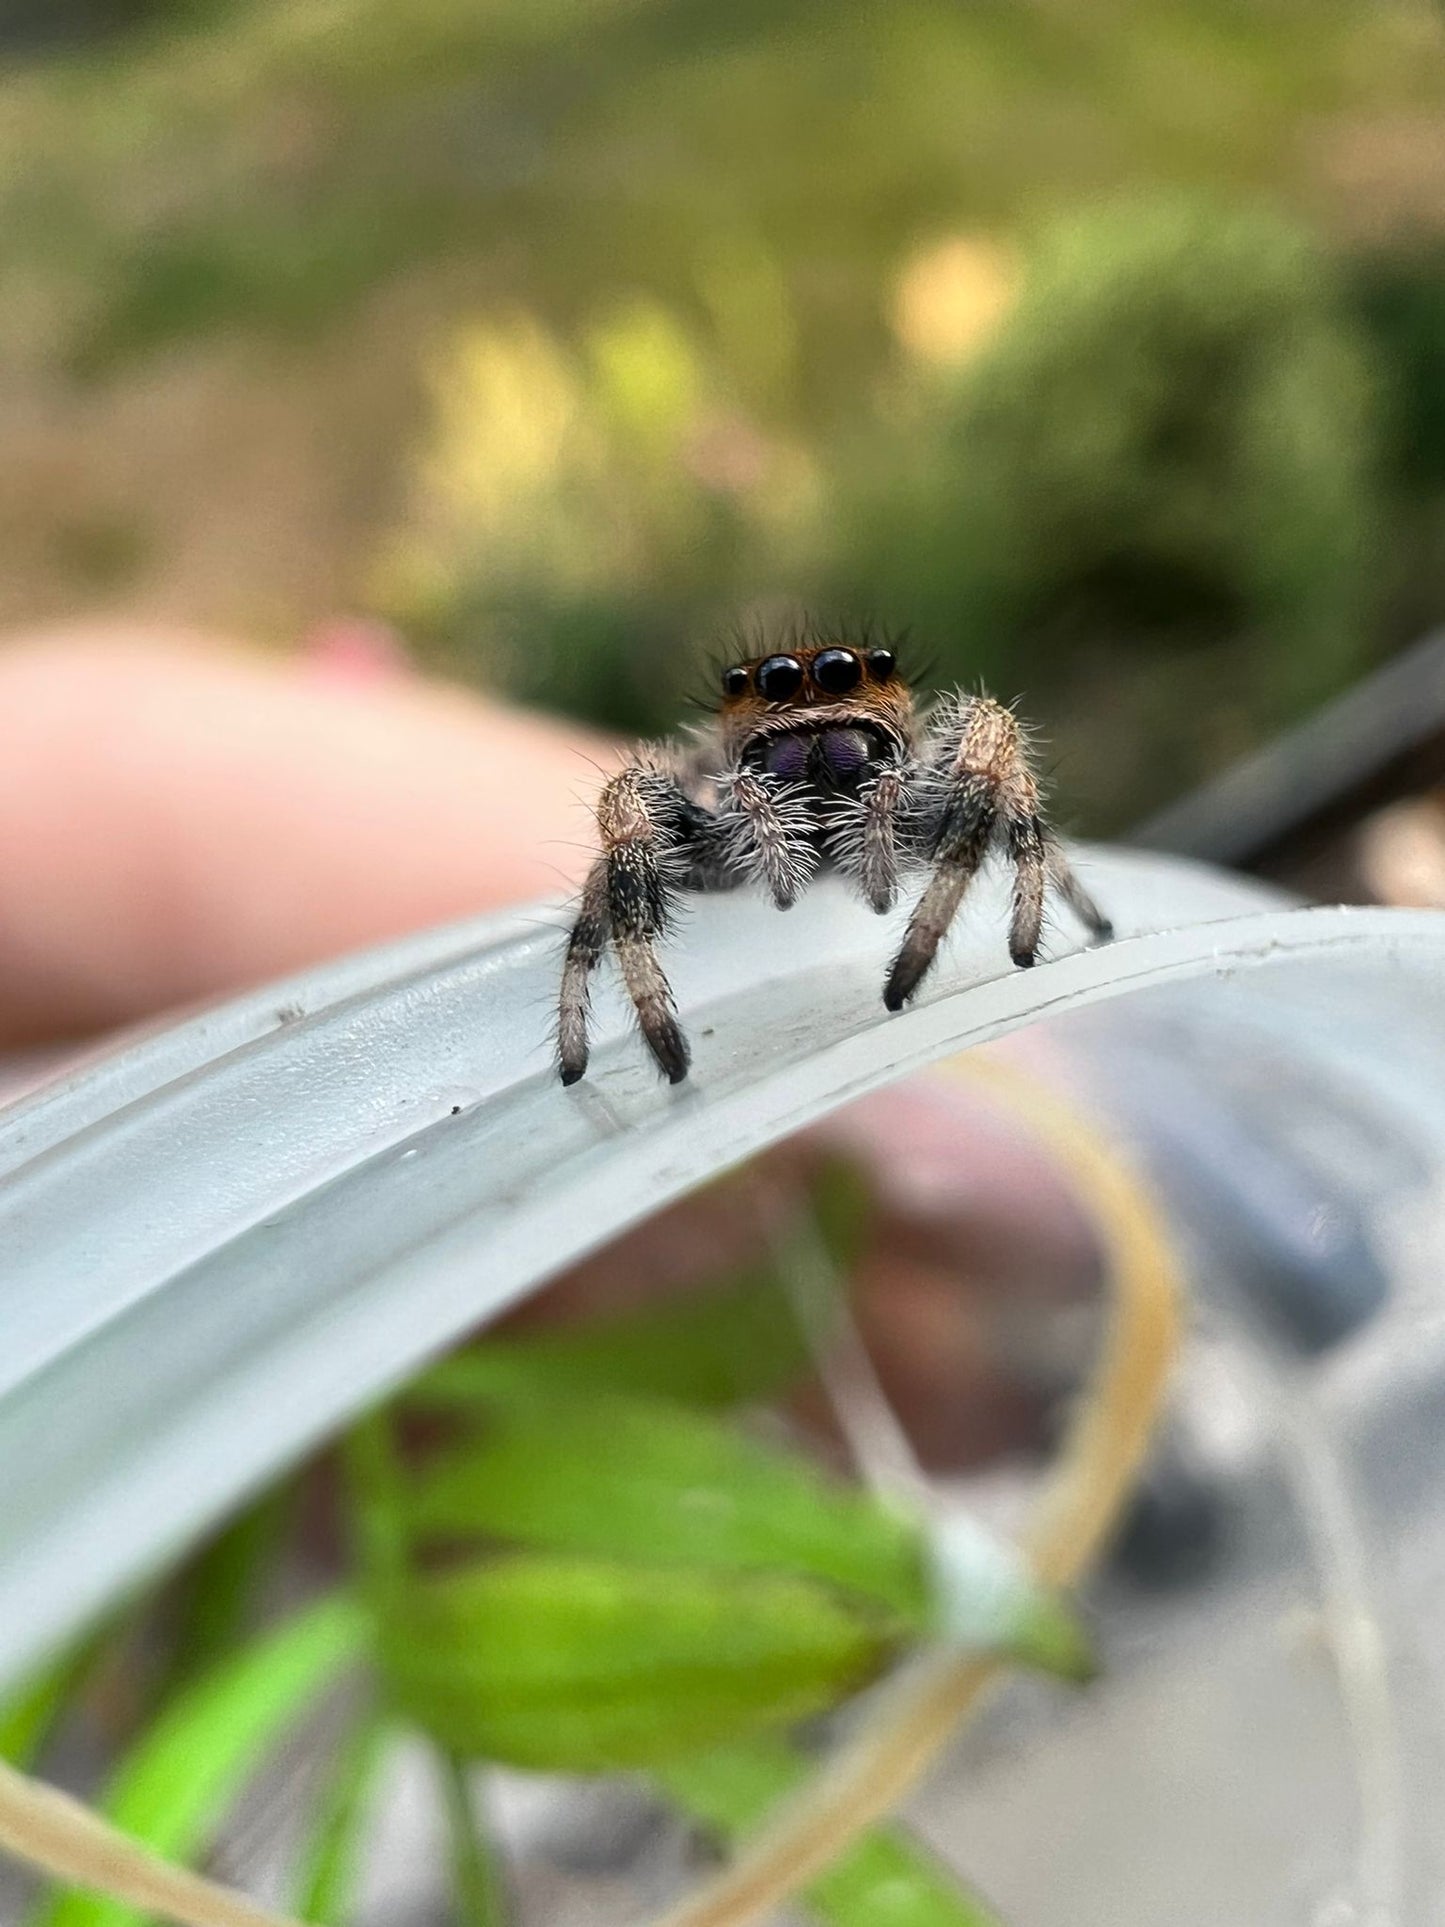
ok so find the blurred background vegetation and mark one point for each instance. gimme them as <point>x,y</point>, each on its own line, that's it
<point>1102,343</point>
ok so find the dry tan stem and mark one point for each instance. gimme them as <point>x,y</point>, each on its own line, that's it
<point>68,1840</point>
<point>928,1699</point>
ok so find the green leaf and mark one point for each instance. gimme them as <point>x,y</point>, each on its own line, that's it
<point>883,1880</point>
<point>633,1479</point>
<point>174,1787</point>
<point>1046,1634</point>
<point>583,1666</point>
<point>27,1717</point>
<point>476,1876</point>
<point>842,1206</point>
<point>220,1585</point>
<point>717,1347</point>
<point>376,1505</point>
<point>329,1865</point>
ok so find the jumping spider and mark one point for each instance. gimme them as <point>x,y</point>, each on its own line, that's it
<point>817,756</point>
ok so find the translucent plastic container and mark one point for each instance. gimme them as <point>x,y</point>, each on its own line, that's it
<point>1268,1744</point>
<point>225,1240</point>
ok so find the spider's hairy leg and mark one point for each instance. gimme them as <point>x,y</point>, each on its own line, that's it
<point>638,898</point>
<point>772,832</point>
<point>1061,875</point>
<point>961,844</point>
<point>975,778</point>
<point>976,785</point>
<point>584,952</point>
<point>644,819</point>
<point>1028,853</point>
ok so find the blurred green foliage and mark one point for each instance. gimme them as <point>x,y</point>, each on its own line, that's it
<point>191,1764</point>
<point>594,1665</point>
<point>883,1880</point>
<point>578,1550</point>
<point>1170,439</point>
<point>1170,446</point>
<point>1167,445</point>
<point>654,261</point>
<point>1400,300</point>
<point>648,1480</point>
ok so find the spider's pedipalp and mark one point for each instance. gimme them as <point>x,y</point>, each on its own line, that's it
<point>861,835</point>
<point>773,834</point>
<point>878,855</point>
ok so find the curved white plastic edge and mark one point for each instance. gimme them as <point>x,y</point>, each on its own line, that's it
<point>223,1242</point>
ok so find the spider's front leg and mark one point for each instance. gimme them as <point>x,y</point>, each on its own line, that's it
<point>975,788</point>
<point>654,842</point>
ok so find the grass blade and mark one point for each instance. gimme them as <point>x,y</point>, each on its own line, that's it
<point>27,1717</point>
<point>720,1347</point>
<point>220,1586</point>
<point>175,1786</point>
<point>329,1869</point>
<point>883,1880</point>
<point>476,1879</point>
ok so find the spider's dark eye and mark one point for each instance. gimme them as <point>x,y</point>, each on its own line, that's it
<point>734,681</point>
<point>881,664</point>
<point>779,678</point>
<point>837,671</point>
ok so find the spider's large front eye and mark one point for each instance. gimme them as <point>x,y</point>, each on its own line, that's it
<point>837,671</point>
<point>779,678</point>
<point>734,681</point>
<point>881,664</point>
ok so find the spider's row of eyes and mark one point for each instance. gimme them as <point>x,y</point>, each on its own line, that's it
<point>833,672</point>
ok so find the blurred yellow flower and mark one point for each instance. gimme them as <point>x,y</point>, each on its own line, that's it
<point>583,470</point>
<point>506,402</point>
<point>647,375</point>
<point>951,296</point>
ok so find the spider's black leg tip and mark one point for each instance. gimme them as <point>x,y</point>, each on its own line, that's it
<point>669,1052</point>
<point>897,991</point>
<point>1103,931</point>
<point>571,1073</point>
<point>1024,959</point>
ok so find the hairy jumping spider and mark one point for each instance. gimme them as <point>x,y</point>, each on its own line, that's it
<point>817,756</point>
